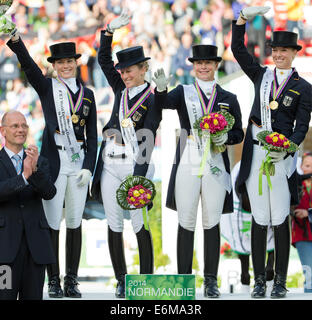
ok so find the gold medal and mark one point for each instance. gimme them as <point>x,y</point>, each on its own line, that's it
<point>82,122</point>
<point>125,123</point>
<point>273,105</point>
<point>75,118</point>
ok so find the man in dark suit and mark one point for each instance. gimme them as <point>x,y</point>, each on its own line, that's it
<point>70,144</point>
<point>282,104</point>
<point>25,243</point>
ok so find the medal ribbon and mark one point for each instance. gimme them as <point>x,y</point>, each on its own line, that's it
<point>206,110</point>
<point>276,92</point>
<point>74,108</point>
<point>134,108</point>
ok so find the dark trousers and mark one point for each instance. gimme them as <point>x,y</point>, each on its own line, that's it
<point>27,277</point>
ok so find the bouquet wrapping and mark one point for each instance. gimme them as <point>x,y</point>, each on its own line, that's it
<point>6,25</point>
<point>136,192</point>
<point>213,125</point>
<point>272,141</point>
<point>4,6</point>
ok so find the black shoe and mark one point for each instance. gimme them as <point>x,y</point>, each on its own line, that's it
<point>279,287</point>
<point>55,290</point>
<point>70,287</point>
<point>211,287</point>
<point>120,289</point>
<point>259,288</point>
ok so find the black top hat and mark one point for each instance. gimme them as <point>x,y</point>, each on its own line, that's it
<point>130,56</point>
<point>205,52</point>
<point>63,50</point>
<point>285,39</point>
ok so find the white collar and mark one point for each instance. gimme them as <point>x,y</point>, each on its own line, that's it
<point>206,86</point>
<point>11,153</point>
<point>282,74</point>
<point>135,90</point>
<point>72,84</point>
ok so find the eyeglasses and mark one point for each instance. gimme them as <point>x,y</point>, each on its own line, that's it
<point>16,126</point>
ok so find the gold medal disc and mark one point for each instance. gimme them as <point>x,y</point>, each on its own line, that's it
<point>125,123</point>
<point>273,105</point>
<point>75,118</point>
<point>82,122</point>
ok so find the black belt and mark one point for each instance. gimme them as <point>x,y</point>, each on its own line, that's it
<point>63,148</point>
<point>258,143</point>
<point>117,156</point>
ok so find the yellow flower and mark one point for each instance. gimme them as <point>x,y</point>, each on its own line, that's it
<point>286,143</point>
<point>148,196</point>
<point>275,139</point>
<point>215,122</point>
<point>281,136</point>
<point>132,199</point>
<point>206,125</point>
<point>208,117</point>
<point>141,191</point>
<point>136,193</point>
<point>142,201</point>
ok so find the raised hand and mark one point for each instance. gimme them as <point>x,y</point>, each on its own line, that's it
<point>160,80</point>
<point>249,12</point>
<point>119,22</point>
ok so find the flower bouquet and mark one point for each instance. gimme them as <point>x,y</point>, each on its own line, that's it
<point>227,251</point>
<point>6,25</point>
<point>136,192</point>
<point>272,141</point>
<point>4,6</point>
<point>213,124</point>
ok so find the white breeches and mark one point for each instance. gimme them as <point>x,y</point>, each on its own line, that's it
<point>114,172</point>
<point>68,190</point>
<point>189,188</point>
<point>273,205</point>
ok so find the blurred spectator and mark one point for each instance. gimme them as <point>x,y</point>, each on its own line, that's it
<point>207,31</point>
<point>302,222</point>
<point>295,16</point>
<point>180,63</point>
<point>8,67</point>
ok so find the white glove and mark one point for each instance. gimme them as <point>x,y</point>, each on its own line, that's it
<point>277,156</point>
<point>119,22</point>
<point>160,80</point>
<point>249,12</point>
<point>219,140</point>
<point>7,27</point>
<point>84,175</point>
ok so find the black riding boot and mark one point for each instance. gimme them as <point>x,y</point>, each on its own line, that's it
<point>211,261</point>
<point>185,247</point>
<point>146,253</point>
<point>269,269</point>
<point>53,270</point>
<point>117,254</point>
<point>258,253</point>
<point>245,276</point>
<point>282,248</point>
<point>73,250</point>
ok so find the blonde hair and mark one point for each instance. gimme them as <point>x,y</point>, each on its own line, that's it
<point>143,64</point>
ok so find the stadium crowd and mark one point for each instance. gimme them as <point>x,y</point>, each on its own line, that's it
<point>166,29</point>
